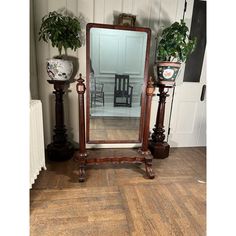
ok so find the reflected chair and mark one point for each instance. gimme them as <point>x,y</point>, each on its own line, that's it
<point>97,93</point>
<point>123,92</point>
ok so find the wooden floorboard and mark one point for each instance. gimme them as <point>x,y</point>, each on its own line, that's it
<point>120,200</point>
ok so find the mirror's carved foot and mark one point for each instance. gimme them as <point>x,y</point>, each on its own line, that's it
<point>81,158</point>
<point>82,174</point>
<point>149,171</point>
<point>146,153</point>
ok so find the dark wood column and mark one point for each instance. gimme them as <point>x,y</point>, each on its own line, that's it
<point>157,146</point>
<point>81,155</point>
<point>149,93</point>
<point>144,149</point>
<point>60,149</point>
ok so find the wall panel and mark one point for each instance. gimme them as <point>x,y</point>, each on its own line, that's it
<point>112,10</point>
<point>127,6</point>
<point>42,52</point>
<point>99,11</point>
<point>142,9</point>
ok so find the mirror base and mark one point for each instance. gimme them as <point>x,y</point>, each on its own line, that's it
<point>114,156</point>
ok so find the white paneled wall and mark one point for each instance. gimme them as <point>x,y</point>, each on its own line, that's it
<point>149,13</point>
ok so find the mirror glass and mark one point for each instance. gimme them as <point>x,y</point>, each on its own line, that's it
<point>116,84</point>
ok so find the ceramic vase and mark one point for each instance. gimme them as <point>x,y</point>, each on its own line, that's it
<point>166,72</point>
<point>59,69</point>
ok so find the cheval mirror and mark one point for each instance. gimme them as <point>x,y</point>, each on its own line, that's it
<point>118,94</point>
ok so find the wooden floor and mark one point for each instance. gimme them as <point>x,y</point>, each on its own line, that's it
<point>119,200</point>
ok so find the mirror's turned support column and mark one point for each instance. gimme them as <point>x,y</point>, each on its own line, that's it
<point>144,149</point>
<point>81,155</point>
<point>60,149</point>
<point>149,93</point>
<point>158,147</point>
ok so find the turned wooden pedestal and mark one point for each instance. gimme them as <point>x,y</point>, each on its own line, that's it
<point>157,146</point>
<point>60,149</point>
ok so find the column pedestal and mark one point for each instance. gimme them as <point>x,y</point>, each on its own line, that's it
<point>157,146</point>
<point>60,149</point>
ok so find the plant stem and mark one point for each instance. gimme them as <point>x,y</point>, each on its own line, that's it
<point>59,49</point>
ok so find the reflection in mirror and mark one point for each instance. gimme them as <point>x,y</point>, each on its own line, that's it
<point>117,67</point>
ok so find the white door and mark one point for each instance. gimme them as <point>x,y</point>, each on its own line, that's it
<point>188,118</point>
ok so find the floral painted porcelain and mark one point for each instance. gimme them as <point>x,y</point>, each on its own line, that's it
<point>167,72</point>
<point>59,69</point>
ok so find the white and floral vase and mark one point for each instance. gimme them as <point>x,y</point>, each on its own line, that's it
<point>59,69</point>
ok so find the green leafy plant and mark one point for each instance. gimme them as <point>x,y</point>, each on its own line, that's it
<point>62,30</point>
<point>175,43</point>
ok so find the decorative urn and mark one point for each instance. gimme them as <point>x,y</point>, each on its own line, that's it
<point>59,69</point>
<point>167,72</point>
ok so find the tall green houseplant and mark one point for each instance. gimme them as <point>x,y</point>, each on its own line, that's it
<point>174,47</point>
<point>63,31</point>
<point>175,43</point>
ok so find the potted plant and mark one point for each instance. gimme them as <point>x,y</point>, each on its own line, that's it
<point>174,48</point>
<point>64,32</point>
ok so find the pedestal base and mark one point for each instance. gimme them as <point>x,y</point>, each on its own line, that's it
<point>159,150</point>
<point>60,152</point>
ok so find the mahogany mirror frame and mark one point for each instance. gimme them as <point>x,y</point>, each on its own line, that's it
<point>143,95</point>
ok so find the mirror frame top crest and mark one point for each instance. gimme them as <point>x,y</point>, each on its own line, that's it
<point>143,95</point>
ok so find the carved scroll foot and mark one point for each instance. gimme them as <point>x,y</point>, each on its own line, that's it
<point>81,158</point>
<point>148,167</point>
<point>82,163</point>
<point>81,174</point>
